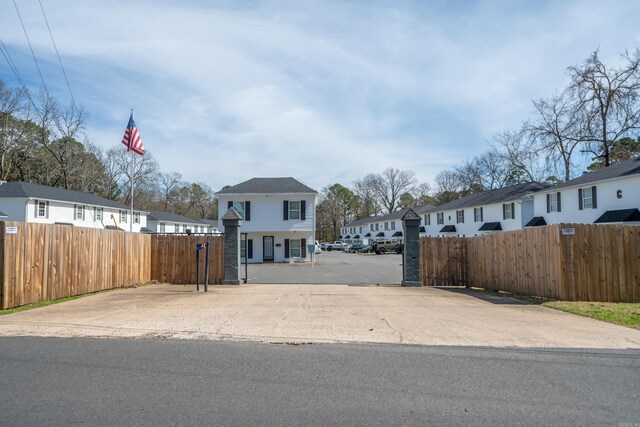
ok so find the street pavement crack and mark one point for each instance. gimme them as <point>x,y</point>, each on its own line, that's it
<point>400,337</point>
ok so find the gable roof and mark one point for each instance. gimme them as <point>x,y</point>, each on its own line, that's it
<point>30,190</point>
<point>619,170</point>
<point>513,192</point>
<point>269,186</point>
<point>170,216</point>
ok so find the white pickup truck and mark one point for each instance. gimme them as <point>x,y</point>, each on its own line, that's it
<point>336,246</point>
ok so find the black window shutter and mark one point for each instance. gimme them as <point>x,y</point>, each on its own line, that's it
<point>286,248</point>
<point>559,204</point>
<point>285,213</point>
<point>230,204</point>
<point>303,210</point>
<point>481,214</point>
<point>580,198</point>
<point>548,203</point>
<point>250,248</point>
<point>513,210</point>
<point>594,199</point>
<point>75,209</point>
<point>35,213</point>
<point>504,211</point>
<point>247,211</point>
<point>463,215</point>
<point>46,210</point>
<point>303,248</point>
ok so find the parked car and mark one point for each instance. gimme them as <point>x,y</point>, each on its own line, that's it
<point>336,246</point>
<point>365,249</point>
<point>318,248</point>
<point>323,246</point>
<point>356,247</point>
<point>382,247</point>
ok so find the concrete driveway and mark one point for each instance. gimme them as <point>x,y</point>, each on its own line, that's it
<point>312,313</point>
<point>335,267</point>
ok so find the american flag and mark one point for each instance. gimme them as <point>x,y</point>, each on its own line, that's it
<point>132,138</point>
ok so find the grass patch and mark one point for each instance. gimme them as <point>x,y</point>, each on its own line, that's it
<point>620,313</point>
<point>40,304</point>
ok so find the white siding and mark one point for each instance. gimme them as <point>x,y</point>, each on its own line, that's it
<point>606,192</point>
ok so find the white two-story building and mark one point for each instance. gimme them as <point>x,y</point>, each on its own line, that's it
<point>28,202</point>
<point>168,222</point>
<point>609,195</point>
<point>503,209</point>
<point>279,217</point>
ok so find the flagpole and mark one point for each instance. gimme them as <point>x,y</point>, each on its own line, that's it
<point>133,169</point>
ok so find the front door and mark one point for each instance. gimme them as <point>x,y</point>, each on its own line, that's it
<point>267,249</point>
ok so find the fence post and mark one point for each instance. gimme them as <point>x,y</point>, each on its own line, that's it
<point>411,252</point>
<point>231,221</point>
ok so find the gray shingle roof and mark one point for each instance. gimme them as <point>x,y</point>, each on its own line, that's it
<point>3,215</point>
<point>388,217</point>
<point>626,168</point>
<point>269,186</point>
<point>37,191</point>
<point>170,216</point>
<point>513,192</point>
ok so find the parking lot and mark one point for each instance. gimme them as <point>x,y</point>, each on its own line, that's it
<point>335,267</point>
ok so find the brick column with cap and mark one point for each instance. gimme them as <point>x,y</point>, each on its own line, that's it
<point>231,221</point>
<point>411,253</point>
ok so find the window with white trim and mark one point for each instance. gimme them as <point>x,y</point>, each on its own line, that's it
<point>587,198</point>
<point>477,214</point>
<point>427,219</point>
<point>294,248</point>
<point>508,212</point>
<point>370,227</point>
<point>460,216</point>
<point>440,218</point>
<point>123,217</point>
<point>377,224</point>
<point>294,209</point>
<point>239,206</point>
<point>42,209</point>
<point>161,227</point>
<point>386,226</point>
<point>98,213</point>
<point>553,202</point>
<point>79,212</point>
<point>136,217</point>
<point>393,225</point>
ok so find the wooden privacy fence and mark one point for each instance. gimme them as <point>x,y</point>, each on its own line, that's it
<point>575,262</point>
<point>41,262</point>
<point>173,258</point>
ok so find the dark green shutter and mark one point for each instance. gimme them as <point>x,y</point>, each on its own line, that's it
<point>513,210</point>
<point>247,211</point>
<point>594,199</point>
<point>559,204</point>
<point>250,248</point>
<point>303,210</point>
<point>504,211</point>
<point>285,210</point>
<point>580,198</point>
<point>481,214</point>
<point>303,248</point>
<point>548,203</point>
<point>286,248</point>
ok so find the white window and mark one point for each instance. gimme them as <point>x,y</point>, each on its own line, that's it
<point>477,214</point>
<point>162,227</point>
<point>460,216</point>
<point>393,225</point>
<point>377,226</point>
<point>370,227</point>
<point>243,247</point>
<point>184,228</point>
<point>42,209</point>
<point>360,230</point>
<point>79,212</point>
<point>427,219</point>
<point>440,218</point>
<point>98,213</point>
<point>136,217</point>
<point>508,211</point>
<point>123,217</point>
<point>239,206</point>
<point>294,209</point>
<point>294,248</point>
<point>587,198</point>
<point>386,226</point>
<point>553,202</point>
<point>176,228</point>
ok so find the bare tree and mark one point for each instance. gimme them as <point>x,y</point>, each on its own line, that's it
<point>421,194</point>
<point>389,185</point>
<point>560,128</point>
<point>168,182</point>
<point>145,174</point>
<point>610,98</point>
<point>366,203</point>
<point>448,186</point>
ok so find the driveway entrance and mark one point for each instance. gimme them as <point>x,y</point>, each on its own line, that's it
<point>335,267</point>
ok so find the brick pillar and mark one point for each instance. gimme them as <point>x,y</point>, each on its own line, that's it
<point>411,253</point>
<point>231,221</point>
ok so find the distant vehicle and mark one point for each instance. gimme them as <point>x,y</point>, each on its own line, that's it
<point>318,248</point>
<point>335,246</point>
<point>365,250</point>
<point>382,247</point>
<point>356,247</point>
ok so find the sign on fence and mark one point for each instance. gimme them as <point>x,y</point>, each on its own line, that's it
<point>12,230</point>
<point>568,231</point>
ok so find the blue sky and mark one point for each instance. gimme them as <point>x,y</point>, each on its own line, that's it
<point>323,91</point>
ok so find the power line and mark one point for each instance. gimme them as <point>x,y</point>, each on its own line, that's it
<point>12,65</point>
<point>58,54</point>
<point>30,47</point>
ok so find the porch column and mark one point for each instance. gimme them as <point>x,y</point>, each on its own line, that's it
<point>411,252</point>
<point>231,221</point>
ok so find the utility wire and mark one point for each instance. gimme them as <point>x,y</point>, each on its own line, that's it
<point>13,67</point>
<point>30,47</point>
<point>73,100</point>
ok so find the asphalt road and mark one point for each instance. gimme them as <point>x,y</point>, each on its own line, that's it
<point>335,267</point>
<point>160,382</point>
